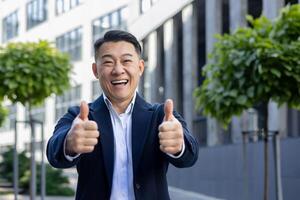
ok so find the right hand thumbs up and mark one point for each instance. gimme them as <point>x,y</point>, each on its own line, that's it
<point>83,135</point>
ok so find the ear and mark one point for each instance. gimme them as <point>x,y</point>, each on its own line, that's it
<point>94,67</point>
<point>141,66</point>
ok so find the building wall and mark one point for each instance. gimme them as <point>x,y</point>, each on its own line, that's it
<point>177,36</point>
<point>235,172</point>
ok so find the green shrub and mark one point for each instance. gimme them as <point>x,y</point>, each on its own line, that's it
<point>56,182</point>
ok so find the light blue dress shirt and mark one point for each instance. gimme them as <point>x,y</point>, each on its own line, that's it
<point>122,184</point>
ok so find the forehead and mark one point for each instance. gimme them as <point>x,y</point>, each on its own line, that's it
<point>116,49</point>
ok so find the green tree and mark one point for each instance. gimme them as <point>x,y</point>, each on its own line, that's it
<point>251,67</point>
<point>56,182</point>
<point>29,73</point>
<point>3,113</point>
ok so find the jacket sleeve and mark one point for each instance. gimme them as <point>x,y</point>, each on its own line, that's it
<point>55,146</point>
<point>190,154</point>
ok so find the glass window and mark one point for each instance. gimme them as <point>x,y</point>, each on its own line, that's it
<point>36,12</point>
<point>124,13</point>
<point>38,113</point>
<point>59,6</point>
<point>71,43</point>
<point>96,89</point>
<point>66,5</point>
<point>114,20</point>
<point>69,98</point>
<point>10,26</point>
<point>146,5</point>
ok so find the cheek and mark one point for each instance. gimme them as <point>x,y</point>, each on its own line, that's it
<point>103,74</point>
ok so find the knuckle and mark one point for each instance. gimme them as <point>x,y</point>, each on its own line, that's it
<point>90,148</point>
<point>97,134</point>
<point>95,142</point>
<point>160,135</point>
<point>77,149</point>
<point>77,126</point>
<point>94,124</point>
<point>160,128</point>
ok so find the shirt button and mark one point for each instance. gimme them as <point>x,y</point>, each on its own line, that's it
<point>137,186</point>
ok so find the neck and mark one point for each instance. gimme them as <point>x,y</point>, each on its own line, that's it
<point>120,107</point>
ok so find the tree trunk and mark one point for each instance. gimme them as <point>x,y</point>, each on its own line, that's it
<point>32,157</point>
<point>263,116</point>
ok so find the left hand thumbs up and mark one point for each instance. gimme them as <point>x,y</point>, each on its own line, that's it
<point>170,131</point>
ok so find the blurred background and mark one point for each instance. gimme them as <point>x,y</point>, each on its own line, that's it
<point>176,36</point>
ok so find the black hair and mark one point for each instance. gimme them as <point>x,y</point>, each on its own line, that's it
<point>116,36</point>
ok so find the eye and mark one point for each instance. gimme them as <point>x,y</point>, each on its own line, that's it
<point>127,61</point>
<point>107,62</point>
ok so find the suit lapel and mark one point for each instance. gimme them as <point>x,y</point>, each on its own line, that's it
<point>102,117</point>
<point>141,118</point>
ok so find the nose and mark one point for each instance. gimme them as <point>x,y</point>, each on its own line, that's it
<point>118,69</point>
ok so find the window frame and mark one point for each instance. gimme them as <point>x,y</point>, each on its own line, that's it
<point>10,24</point>
<point>36,9</point>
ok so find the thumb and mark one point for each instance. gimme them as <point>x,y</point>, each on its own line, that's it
<point>84,111</point>
<point>168,110</point>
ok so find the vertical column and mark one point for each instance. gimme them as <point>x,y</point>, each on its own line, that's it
<point>277,116</point>
<point>271,7</point>
<point>237,12</point>
<point>189,62</point>
<point>171,61</point>
<point>150,85</point>
<point>213,21</point>
<point>158,78</point>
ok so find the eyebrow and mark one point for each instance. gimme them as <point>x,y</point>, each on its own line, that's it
<point>110,56</point>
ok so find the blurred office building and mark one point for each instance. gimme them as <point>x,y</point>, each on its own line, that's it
<point>176,36</point>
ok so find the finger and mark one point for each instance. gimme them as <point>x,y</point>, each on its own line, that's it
<point>90,125</point>
<point>170,143</point>
<point>91,134</point>
<point>167,135</point>
<point>168,109</point>
<point>167,126</point>
<point>87,149</point>
<point>84,111</point>
<point>170,150</point>
<point>90,142</point>
<point>172,134</point>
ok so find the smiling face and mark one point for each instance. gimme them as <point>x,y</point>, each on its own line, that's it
<point>118,68</point>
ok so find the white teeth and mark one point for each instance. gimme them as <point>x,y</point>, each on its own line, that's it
<point>119,82</point>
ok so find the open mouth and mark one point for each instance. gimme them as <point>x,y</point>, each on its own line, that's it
<point>119,82</point>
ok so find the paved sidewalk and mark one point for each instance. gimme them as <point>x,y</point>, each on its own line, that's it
<point>175,194</point>
<point>180,194</point>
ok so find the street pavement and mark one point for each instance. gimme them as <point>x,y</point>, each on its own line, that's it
<point>175,194</point>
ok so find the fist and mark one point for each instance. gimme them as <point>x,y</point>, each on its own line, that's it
<point>83,135</point>
<point>170,131</point>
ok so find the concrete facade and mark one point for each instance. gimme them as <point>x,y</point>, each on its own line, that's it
<point>172,32</point>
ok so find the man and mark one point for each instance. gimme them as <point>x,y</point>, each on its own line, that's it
<point>120,144</point>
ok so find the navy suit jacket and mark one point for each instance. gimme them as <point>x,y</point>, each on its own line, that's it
<point>95,169</point>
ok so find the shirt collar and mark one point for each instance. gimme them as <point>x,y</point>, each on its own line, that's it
<point>129,108</point>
